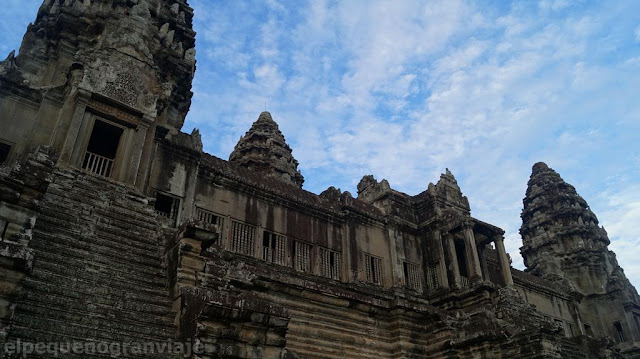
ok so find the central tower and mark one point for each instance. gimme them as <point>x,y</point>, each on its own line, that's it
<point>96,79</point>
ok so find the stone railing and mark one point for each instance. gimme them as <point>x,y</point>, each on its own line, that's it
<point>97,164</point>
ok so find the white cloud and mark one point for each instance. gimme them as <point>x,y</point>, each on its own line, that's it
<point>621,219</point>
<point>554,5</point>
<point>405,89</point>
<point>402,90</point>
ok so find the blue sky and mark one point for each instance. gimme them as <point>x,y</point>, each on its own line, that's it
<point>404,89</point>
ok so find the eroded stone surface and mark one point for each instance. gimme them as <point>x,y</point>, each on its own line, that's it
<point>264,150</point>
<point>171,242</point>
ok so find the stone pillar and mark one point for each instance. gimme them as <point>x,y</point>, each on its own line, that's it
<point>471,253</point>
<point>452,260</point>
<point>73,135</point>
<point>132,164</point>
<point>442,266</point>
<point>483,262</point>
<point>146,159</point>
<point>503,261</point>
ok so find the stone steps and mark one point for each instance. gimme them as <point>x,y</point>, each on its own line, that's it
<point>121,326</point>
<point>98,274</point>
<point>132,241</point>
<point>102,242</point>
<point>79,259</point>
<point>571,350</point>
<point>57,275</point>
<point>105,254</point>
<point>87,289</point>
<point>50,262</point>
<point>57,301</point>
<point>101,310</point>
<point>44,336</point>
<point>131,302</point>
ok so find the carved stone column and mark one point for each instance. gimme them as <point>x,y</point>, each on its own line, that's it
<point>503,261</point>
<point>137,144</point>
<point>442,266</point>
<point>483,262</point>
<point>471,253</point>
<point>73,135</point>
<point>451,259</point>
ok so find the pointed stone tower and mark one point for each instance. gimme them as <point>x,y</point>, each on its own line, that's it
<point>94,79</point>
<point>563,242</point>
<point>264,149</point>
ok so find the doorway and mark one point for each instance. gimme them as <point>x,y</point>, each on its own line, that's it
<point>102,149</point>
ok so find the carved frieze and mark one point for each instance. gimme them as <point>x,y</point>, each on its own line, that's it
<point>115,112</point>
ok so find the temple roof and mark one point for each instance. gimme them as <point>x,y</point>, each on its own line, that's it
<point>263,149</point>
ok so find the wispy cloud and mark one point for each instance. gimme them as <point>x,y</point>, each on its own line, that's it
<point>404,89</point>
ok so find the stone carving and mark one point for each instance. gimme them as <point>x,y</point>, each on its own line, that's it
<point>561,235</point>
<point>264,149</point>
<point>254,266</point>
<point>123,89</point>
<point>109,110</point>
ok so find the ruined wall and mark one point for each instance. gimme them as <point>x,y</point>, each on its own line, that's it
<point>552,301</point>
<point>21,191</point>
<point>244,308</point>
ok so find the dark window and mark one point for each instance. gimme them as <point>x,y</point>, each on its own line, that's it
<point>330,263</point>
<point>4,152</point>
<point>432,277</point>
<point>301,256</point>
<point>242,238</point>
<point>460,253</point>
<point>209,217</point>
<point>274,248</point>
<point>373,269</point>
<point>617,327</point>
<point>104,139</point>
<point>102,148</point>
<point>412,277</point>
<point>167,207</point>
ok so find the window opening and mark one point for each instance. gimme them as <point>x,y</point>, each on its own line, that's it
<point>242,239</point>
<point>274,248</point>
<point>302,256</point>
<point>101,151</point>
<point>330,263</point>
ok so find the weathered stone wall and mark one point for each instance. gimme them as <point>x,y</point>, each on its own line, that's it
<point>97,275</point>
<point>242,308</point>
<point>252,265</point>
<point>21,193</point>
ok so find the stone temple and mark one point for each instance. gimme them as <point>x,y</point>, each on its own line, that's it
<point>117,228</point>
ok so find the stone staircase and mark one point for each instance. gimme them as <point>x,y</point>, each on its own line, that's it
<point>98,276</point>
<point>571,349</point>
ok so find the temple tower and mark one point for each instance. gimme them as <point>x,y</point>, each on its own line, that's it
<point>264,150</point>
<point>563,242</point>
<point>94,79</point>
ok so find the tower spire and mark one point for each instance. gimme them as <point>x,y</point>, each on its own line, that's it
<point>562,237</point>
<point>264,149</point>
